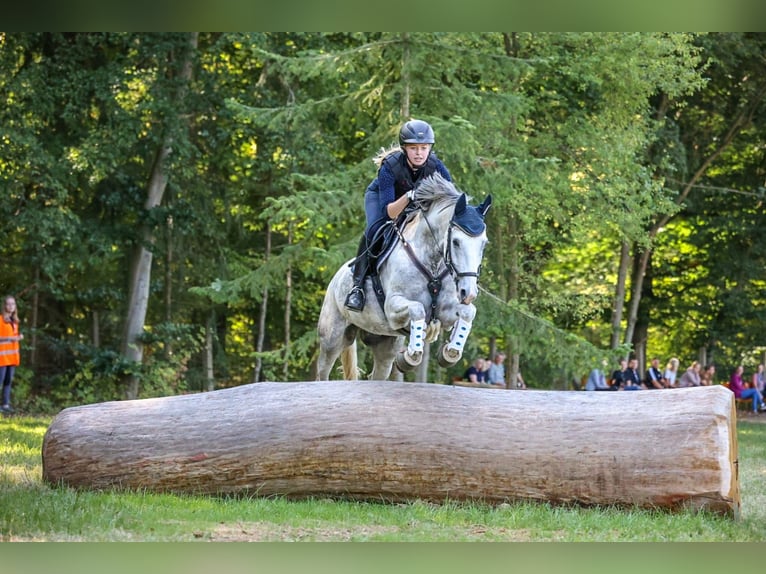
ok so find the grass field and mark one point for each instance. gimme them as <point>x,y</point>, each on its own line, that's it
<point>33,511</point>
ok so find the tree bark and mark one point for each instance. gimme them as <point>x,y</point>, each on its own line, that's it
<point>383,440</point>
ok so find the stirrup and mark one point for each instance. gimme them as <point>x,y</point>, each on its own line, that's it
<point>355,299</point>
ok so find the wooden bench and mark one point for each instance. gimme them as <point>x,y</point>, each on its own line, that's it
<point>460,382</point>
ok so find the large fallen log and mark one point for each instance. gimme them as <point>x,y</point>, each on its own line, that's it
<point>400,441</point>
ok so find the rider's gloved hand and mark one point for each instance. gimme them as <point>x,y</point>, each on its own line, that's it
<point>411,195</point>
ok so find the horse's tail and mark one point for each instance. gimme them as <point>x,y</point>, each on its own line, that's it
<point>348,360</point>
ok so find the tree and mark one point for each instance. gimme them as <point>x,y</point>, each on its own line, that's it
<point>170,125</point>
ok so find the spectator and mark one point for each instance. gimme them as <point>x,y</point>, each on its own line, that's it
<point>631,380</point>
<point>476,373</point>
<point>741,392</point>
<point>691,377</point>
<point>655,379</point>
<point>671,370</point>
<point>618,375</point>
<point>707,375</point>
<point>487,365</point>
<point>597,382</point>
<point>496,373</point>
<point>758,379</point>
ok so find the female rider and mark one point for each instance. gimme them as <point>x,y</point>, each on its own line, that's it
<point>391,191</point>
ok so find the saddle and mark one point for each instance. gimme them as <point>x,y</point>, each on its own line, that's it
<point>391,233</point>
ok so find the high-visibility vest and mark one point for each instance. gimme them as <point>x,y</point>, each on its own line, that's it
<point>9,350</point>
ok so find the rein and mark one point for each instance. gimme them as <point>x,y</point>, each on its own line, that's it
<point>434,281</point>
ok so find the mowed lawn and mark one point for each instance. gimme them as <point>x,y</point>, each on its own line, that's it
<point>31,510</point>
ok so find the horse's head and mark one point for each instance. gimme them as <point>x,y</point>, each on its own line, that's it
<point>464,248</point>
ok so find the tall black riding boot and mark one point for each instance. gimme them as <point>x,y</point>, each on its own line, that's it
<point>355,298</point>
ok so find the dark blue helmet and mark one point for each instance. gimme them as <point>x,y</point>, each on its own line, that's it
<point>416,132</point>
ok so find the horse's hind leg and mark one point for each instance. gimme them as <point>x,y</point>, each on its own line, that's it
<point>335,334</point>
<point>384,350</point>
<point>330,348</point>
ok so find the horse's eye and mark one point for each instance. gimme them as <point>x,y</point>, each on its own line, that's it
<point>455,243</point>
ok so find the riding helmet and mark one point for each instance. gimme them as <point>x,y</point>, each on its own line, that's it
<point>416,132</point>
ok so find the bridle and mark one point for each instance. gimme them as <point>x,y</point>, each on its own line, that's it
<point>448,257</point>
<point>435,281</point>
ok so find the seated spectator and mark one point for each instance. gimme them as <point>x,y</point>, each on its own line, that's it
<point>597,382</point>
<point>691,377</point>
<point>671,370</point>
<point>707,377</point>
<point>476,373</point>
<point>617,374</point>
<point>631,380</point>
<point>496,373</point>
<point>487,365</point>
<point>741,392</point>
<point>655,379</point>
<point>758,379</point>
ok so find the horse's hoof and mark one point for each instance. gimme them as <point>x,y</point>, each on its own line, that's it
<point>446,357</point>
<point>406,363</point>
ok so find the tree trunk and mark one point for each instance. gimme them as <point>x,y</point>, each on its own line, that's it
<point>262,314</point>
<point>288,310</point>
<point>141,262</point>
<point>619,294</point>
<point>34,317</point>
<point>383,440</point>
<point>404,109</point>
<point>209,372</point>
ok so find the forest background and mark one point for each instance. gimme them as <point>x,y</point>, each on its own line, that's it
<point>175,203</point>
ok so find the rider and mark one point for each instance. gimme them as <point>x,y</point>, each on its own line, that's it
<point>391,191</point>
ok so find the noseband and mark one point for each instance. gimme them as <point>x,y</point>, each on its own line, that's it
<point>448,259</point>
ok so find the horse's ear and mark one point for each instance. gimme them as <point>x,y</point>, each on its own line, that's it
<point>460,205</point>
<point>484,207</point>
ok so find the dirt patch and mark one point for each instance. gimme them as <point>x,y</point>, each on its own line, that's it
<point>270,532</point>
<point>751,417</point>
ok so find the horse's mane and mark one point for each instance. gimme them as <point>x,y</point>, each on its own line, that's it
<point>434,191</point>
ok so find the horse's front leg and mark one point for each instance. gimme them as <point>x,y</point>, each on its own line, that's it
<point>452,350</point>
<point>405,313</point>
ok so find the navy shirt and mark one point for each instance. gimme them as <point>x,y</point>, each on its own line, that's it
<point>394,179</point>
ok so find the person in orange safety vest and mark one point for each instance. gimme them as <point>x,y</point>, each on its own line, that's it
<point>9,349</point>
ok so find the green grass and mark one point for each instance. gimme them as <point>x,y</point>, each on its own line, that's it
<point>33,511</point>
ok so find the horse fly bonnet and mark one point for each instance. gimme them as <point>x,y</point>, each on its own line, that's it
<point>471,219</point>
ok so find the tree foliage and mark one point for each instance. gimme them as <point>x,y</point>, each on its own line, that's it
<point>585,140</point>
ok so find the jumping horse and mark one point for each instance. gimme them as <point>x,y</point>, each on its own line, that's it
<point>442,237</point>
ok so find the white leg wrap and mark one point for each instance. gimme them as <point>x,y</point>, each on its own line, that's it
<point>459,336</point>
<point>417,336</point>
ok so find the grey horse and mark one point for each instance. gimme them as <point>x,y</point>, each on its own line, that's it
<point>430,279</point>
